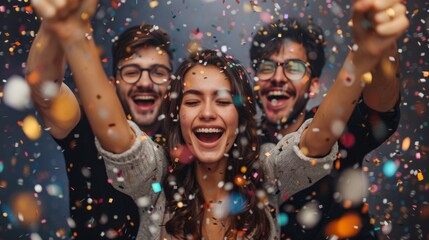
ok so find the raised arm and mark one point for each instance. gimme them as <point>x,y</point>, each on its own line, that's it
<point>371,45</point>
<point>46,65</point>
<point>70,21</point>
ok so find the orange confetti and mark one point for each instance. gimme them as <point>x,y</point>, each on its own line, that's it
<point>365,208</point>
<point>420,176</point>
<point>33,77</point>
<point>345,227</point>
<point>406,144</point>
<point>425,73</point>
<point>104,60</point>
<point>63,109</point>
<point>25,208</point>
<point>29,9</point>
<point>239,180</point>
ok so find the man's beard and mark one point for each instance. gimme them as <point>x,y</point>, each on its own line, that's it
<point>285,121</point>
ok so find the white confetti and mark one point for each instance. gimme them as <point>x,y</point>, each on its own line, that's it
<point>17,93</point>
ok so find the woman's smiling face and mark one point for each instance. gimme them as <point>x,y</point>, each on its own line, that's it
<point>208,117</point>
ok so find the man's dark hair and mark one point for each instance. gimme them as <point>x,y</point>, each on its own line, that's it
<point>270,38</point>
<point>140,36</point>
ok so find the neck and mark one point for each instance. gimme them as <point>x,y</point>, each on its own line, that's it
<point>208,177</point>
<point>152,129</point>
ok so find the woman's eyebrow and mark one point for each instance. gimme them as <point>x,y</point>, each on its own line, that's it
<point>220,92</point>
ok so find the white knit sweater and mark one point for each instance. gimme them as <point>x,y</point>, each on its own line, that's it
<point>139,170</point>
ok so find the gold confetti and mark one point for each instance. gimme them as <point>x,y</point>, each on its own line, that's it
<point>367,78</point>
<point>420,176</point>
<point>31,128</point>
<point>406,144</point>
<point>153,4</point>
<point>63,108</point>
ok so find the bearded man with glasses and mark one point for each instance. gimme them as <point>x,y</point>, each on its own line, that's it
<point>142,66</point>
<point>287,58</point>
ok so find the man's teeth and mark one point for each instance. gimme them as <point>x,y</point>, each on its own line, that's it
<point>276,93</point>
<point>208,130</point>
<point>144,98</point>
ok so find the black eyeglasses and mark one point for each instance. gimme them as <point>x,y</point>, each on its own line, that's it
<point>158,74</point>
<point>293,69</point>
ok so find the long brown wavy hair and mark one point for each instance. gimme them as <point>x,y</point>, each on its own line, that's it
<point>187,220</point>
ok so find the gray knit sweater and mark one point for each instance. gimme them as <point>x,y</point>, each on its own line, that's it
<point>139,171</point>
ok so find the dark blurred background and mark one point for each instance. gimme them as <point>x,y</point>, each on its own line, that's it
<point>33,181</point>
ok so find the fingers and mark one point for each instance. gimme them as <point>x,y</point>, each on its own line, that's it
<point>388,14</point>
<point>395,27</point>
<point>44,8</point>
<point>55,9</point>
<point>391,21</point>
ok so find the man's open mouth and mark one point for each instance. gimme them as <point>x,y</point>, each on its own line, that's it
<point>277,95</point>
<point>208,135</point>
<point>144,100</point>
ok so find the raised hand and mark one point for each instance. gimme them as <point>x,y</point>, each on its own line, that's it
<point>377,25</point>
<point>66,18</point>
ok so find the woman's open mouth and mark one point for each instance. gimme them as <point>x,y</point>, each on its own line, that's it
<point>208,135</point>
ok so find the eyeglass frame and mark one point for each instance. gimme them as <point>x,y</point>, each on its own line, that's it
<point>119,69</point>
<point>307,65</point>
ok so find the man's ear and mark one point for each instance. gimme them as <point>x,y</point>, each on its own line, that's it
<point>314,87</point>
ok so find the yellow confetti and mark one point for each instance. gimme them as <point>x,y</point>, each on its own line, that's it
<point>367,78</point>
<point>31,128</point>
<point>406,144</point>
<point>420,176</point>
<point>243,169</point>
<point>256,88</point>
<point>153,4</point>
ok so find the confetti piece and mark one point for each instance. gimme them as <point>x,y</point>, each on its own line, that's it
<point>25,208</point>
<point>345,227</point>
<point>420,176</point>
<point>17,93</point>
<point>64,108</point>
<point>239,181</point>
<point>31,128</point>
<point>153,4</point>
<point>236,203</point>
<point>406,144</point>
<point>352,187</point>
<point>367,78</point>
<point>283,219</point>
<point>156,187</point>
<point>337,127</point>
<point>309,215</point>
<point>390,168</point>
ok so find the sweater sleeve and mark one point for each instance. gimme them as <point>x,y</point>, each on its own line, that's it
<point>139,170</point>
<point>288,170</point>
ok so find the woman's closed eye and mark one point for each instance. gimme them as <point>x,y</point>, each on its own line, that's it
<point>224,102</point>
<point>191,102</point>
